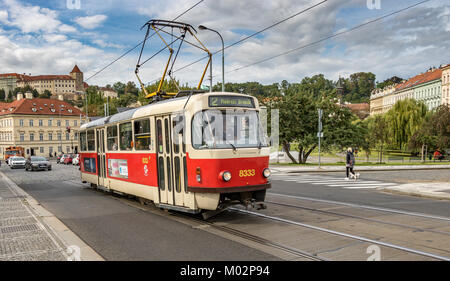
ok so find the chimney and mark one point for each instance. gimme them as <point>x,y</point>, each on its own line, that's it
<point>28,95</point>
<point>19,96</point>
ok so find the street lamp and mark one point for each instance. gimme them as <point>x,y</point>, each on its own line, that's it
<point>202,27</point>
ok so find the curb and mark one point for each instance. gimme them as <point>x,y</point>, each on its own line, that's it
<point>58,229</point>
<point>356,168</point>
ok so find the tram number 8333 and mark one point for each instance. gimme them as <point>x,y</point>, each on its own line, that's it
<point>247,173</point>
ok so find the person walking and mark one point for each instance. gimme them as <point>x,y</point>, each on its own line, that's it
<point>350,162</point>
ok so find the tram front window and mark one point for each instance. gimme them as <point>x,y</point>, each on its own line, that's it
<point>227,129</point>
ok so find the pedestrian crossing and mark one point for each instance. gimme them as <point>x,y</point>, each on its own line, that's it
<point>331,181</point>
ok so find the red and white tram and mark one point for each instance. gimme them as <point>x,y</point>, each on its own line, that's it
<point>195,152</point>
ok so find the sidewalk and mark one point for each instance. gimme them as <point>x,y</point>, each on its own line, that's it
<point>308,169</point>
<point>28,232</point>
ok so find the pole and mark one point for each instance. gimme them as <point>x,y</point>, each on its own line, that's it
<point>210,73</point>
<point>319,134</point>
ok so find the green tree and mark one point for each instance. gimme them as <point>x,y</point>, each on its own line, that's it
<point>119,87</point>
<point>358,87</point>
<point>2,95</point>
<point>404,119</point>
<point>46,94</point>
<point>299,124</point>
<point>377,133</point>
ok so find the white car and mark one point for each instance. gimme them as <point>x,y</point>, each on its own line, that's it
<point>64,156</point>
<point>17,162</point>
<point>76,160</point>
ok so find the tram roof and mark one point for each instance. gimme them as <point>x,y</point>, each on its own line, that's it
<point>169,105</point>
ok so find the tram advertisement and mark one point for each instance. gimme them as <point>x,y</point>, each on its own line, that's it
<point>118,168</point>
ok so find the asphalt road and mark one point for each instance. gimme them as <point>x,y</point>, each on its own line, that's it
<point>118,231</point>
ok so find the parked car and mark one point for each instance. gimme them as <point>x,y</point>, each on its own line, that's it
<point>58,159</point>
<point>76,160</point>
<point>16,162</point>
<point>61,160</point>
<point>37,163</point>
<point>68,159</point>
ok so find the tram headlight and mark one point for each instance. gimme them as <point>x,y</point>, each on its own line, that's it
<point>266,173</point>
<point>198,172</point>
<point>226,176</point>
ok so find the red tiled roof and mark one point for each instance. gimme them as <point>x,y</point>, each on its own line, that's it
<point>41,106</point>
<point>76,69</point>
<point>46,77</point>
<point>358,106</point>
<point>420,79</point>
<point>10,74</point>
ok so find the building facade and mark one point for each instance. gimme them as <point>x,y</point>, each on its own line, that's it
<point>70,86</point>
<point>108,93</point>
<point>39,126</point>
<point>426,87</point>
<point>446,85</point>
<point>8,82</point>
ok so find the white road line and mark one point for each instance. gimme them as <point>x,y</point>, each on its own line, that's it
<point>362,183</point>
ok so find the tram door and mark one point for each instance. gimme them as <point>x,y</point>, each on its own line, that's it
<point>171,151</point>
<point>101,157</point>
<point>163,148</point>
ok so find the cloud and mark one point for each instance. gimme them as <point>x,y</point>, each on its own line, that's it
<point>90,22</point>
<point>4,16</point>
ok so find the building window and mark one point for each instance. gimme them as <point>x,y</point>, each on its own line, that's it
<point>59,136</point>
<point>50,136</point>
<point>41,136</point>
<point>58,123</point>
<point>31,136</point>
<point>31,123</point>
<point>22,137</point>
<point>67,123</point>
<point>75,136</point>
<point>67,136</point>
<point>75,123</point>
<point>41,150</point>
<point>50,150</point>
<point>59,149</point>
<point>21,122</point>
<point>40,123</point>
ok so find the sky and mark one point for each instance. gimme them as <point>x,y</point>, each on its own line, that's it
<point>50,37</point>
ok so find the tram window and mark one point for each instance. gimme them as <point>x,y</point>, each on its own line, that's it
<point>113,141</point>
<point>126,136</point>
<point>161,173</point>
<point>177,175</point>
<point>169,179</point>
<point>90,140</point>
<point>159,134</point>
<point>178,129</point>
<point>83,143</point>
<point>185,175</point>
<point>166,129</point>
<point>142,134</point>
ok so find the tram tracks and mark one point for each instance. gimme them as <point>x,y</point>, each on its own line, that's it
<point>342,234</point>
<point>228,226</point>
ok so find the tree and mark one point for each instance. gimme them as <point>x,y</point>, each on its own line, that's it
<point>119,87</point>
<point>404,119</point>
<point>299,124</point>
<point>2,95</point>
<point>378,133</point>
<point>359,87</point>
<point>388,82</point>
<point>46,94</point>
<point>433,132</point>
<point>131,88</point>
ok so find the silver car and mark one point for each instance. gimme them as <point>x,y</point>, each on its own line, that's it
<point>16,162</point>
<point>36,163</point>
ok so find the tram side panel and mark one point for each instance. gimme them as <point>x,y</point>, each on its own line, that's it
<point>88,167</point>
<point>133,173</point>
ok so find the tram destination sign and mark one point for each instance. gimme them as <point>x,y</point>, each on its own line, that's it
<point>231,101</point>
